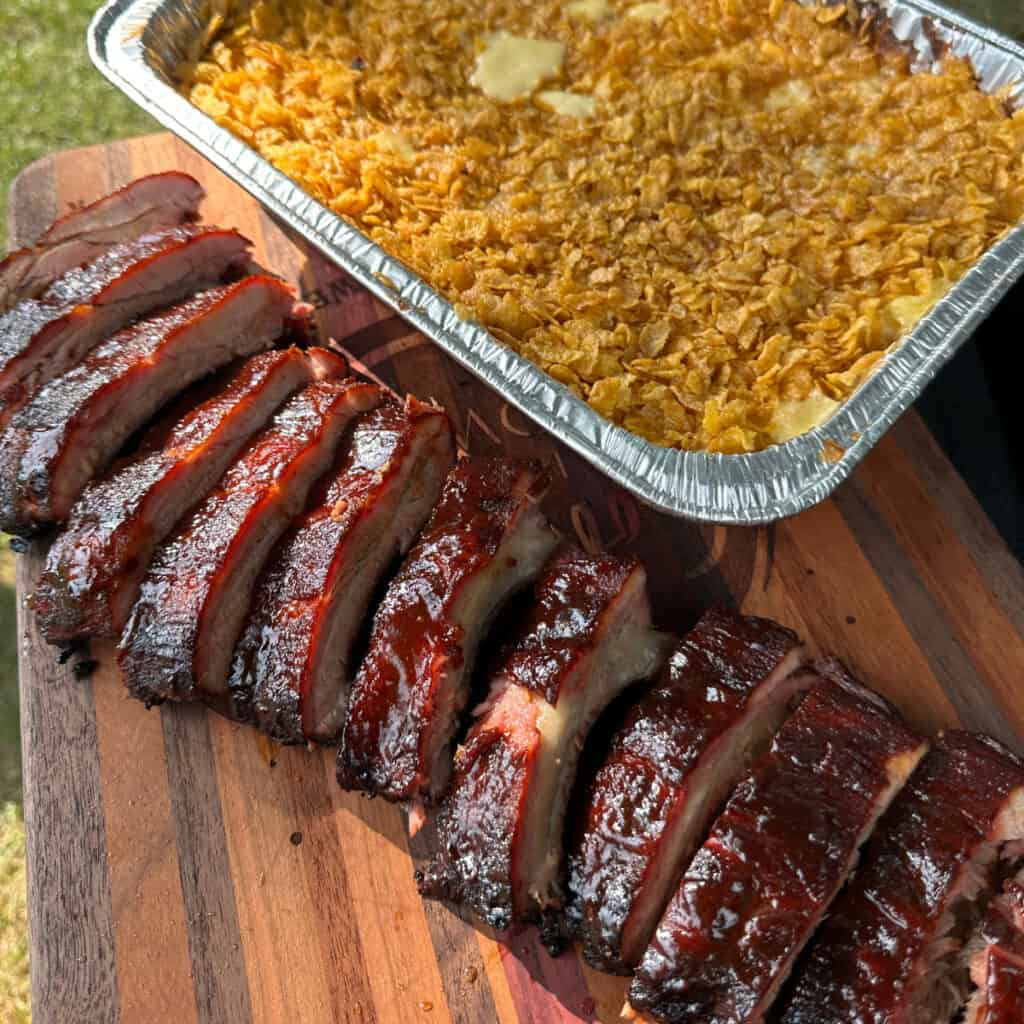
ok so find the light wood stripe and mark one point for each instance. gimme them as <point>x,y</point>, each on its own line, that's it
<point>388,912</point>
<point>71,926</point>
<point>953,504</point>
<point>859,622</point>
<point>607,991</point>
<point>218,967</point>
<point>929,628</point>
<point>495,978</point>
<point>285,891</point>
<point>142,854</point>
<point>971,612</point>
<point>458,954</point>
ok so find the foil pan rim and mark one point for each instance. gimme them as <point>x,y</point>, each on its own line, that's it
<point>128,42</point>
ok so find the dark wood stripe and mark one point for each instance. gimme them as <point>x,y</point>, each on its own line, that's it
<point>33,202</point>
<point>327,882</point>
<point>71,925</point>
<point>215,942</point>
<point>371,336</point>
<point>923,617</point>
<point>71,918</point>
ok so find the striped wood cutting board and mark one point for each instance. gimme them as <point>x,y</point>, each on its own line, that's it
<point>183,869</point>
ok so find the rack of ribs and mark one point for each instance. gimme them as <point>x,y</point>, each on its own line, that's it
<point>776,857</point>
<point>485,539</point>
<point>74,425</point>
<point>587,636</point>
<point>148,204</point>
<point>95,565</point>
<point>192,604</point>
<point>45,337</point>
<point>721,697</point>
<point>891,950</point>
<point>293,662</point>
<point>995,959</point>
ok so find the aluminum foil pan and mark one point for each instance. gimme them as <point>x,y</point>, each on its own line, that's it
<point>138,44</point>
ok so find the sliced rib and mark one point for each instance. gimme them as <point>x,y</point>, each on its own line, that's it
<point>891,949</point>
<point>1000,995</point>
<point>776,857</point>
<point>485,539</point>
<point>42,338</point>
<point>148,204</point>
<point>75,425</point>
<point>587,636</point>
<point>723,694</point>
<point>293,660</point>
<point>995,956</point>
<point>193,601</point>
<point>94,567</point>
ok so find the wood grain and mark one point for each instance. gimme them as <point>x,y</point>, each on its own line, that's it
<point>183,869</point>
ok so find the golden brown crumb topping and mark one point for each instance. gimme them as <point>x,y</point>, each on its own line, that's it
<point>747,205</point>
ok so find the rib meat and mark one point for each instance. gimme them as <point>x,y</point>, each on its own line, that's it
<point>995,956</point>
<point>94,568</point>
<point>776,857</point>
<point>485,539</point>
<point>723,694</point>
<point>193,601</point>
<point>890,951</point>
<point>152,203</point>
<point>294,657</point>
<point>42,338</point>
<point>586,638</point>
<point>1000,996</point>
<point>75,425</point>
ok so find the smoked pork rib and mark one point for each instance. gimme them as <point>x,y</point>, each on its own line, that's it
<point>890,950</point>
<point>1001,995</point>
<point>95,565</point>
<point>192,604</point>
<point>721,697</point>
<point>588,636</point>
<point>776,857</point>
<point>995,956</point>
<point>294,658</point>
<point>42,338</point>
<point>74,425</point>
<point>148,204</point>
<point>485,539</point>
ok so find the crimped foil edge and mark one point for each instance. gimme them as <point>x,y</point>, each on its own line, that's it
<point>137,45</point>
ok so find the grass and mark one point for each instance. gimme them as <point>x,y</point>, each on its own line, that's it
<point>52,96</point>
<point>14,1005</point>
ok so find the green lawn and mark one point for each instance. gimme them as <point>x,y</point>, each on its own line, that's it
<point>52,97</point>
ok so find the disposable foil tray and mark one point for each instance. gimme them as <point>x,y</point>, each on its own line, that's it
<point>138,44</point>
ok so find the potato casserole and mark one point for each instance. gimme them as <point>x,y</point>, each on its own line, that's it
<point>708,218</point>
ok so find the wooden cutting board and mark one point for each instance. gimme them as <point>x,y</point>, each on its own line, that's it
<point>182,868</point>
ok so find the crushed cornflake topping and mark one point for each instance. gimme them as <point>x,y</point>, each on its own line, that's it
<point>764,201</point>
